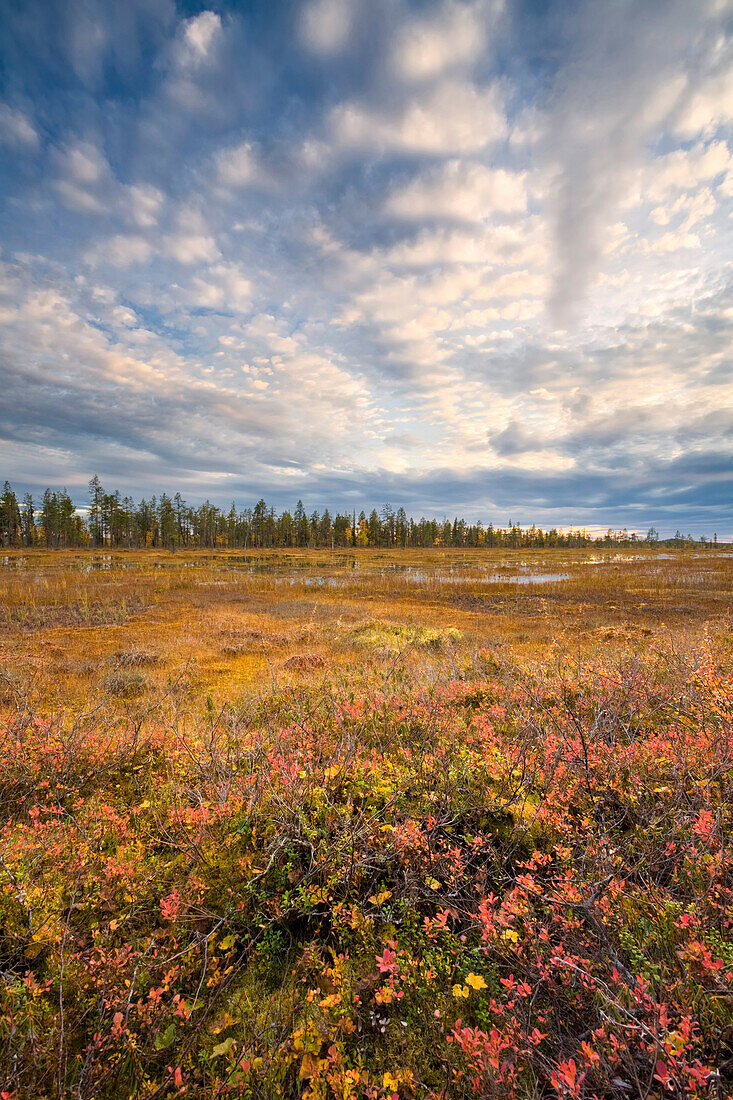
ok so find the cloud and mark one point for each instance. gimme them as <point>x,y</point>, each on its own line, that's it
<point>86,184</point>
<point>515,244</point>
<point>450,37</point>
<point>451,117</point>
<point>619,86</point>
<point>515,284</point>
<point>198,39</point>
<point>85,178</point>
<point>672,242</point>
<point>460,191</point>
<point>191,241</point>
<point>120,250</point>
<point>223,287</point>
<point>685,169</point>
<point>145,204</point>
<point>97,38</point>
<point>309,249</point>
<point>16,129</point>
<point>190,248</point>
<point>710,105</point>
<point>693,208</point>
<point>194,64</point>
<point>326,25</point>
<point>237,165</point>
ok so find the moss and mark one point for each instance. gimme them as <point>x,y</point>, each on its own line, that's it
<point>389,639</point>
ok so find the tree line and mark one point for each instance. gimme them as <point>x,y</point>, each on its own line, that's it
<point>169,523</point>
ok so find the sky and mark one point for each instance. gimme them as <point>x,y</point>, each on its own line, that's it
<point>469,257</point>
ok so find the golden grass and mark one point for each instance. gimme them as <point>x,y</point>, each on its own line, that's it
<point>231,623</point>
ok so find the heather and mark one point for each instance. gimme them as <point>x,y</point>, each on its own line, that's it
<point>466,849</point>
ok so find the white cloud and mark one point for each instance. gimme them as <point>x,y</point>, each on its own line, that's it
<point>199,38</point>
<point>515,284</point>
<point>146,203</point>
<point>673,242</point>
<point>306,333</point>
<point>685,169</point>
<point>121,315</point>
<point>120,250</point>
<point>708,106</point>
<point>518,310</point>
<point>695,208</point>
<point>85,182</point>
<point>452,117</point>
<point>516,244</point>
<point>193,61</point>
<point>619,82</point>
<point>461,191</point>
<point>237,287</point>
<point>420,326</point>
<point>16,128</point>
<point>79,199</point>
<point>192,241</point>
<point>87,185</point>
<point>327,24</point>
<point>237,165</point>
<point>450,37</point>
<point>191,248</point>
<point>479,318</point>
<point>85,163</point>
<point>223,286</point>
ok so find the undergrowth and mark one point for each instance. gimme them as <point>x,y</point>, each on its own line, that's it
<point>513,884</point>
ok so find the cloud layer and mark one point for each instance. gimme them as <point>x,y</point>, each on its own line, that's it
<point>462,255</point>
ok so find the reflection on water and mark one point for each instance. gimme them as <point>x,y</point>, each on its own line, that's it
<point>342,570</point>
<point>411,575</point>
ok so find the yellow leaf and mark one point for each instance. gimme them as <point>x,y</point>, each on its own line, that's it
<point>510,934</point>
<point>389,1082</point>
<point>460,991</point>
<point>379,899</point>
<point>309,1066</point>
<point>226,1021</point>
<point>475,981</point>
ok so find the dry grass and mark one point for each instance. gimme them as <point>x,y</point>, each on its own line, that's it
<point>125,625</point>
<point>233,786</point>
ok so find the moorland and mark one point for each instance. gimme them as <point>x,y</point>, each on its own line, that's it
<point>366,823</point>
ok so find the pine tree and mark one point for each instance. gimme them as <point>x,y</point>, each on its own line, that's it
<point>10,526</point>
<point>28,520</point>
<point>96,497</point>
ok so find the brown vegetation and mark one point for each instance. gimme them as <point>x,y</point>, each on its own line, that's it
<point>368,826</point>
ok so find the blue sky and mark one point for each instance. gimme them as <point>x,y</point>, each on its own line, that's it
<point>468,256</point>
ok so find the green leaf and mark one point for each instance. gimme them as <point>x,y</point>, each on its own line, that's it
<point>165,1040</point>
<point>222,1048</point>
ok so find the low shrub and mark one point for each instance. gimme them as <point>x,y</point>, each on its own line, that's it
<point>515,884</point>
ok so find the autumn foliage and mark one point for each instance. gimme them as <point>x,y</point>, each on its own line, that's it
<point>516,883</point>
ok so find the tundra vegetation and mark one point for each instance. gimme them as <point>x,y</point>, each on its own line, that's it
<point>370,824</point>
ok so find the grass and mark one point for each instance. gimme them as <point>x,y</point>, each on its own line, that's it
<point>365,825</point>
<point>231,621</point>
